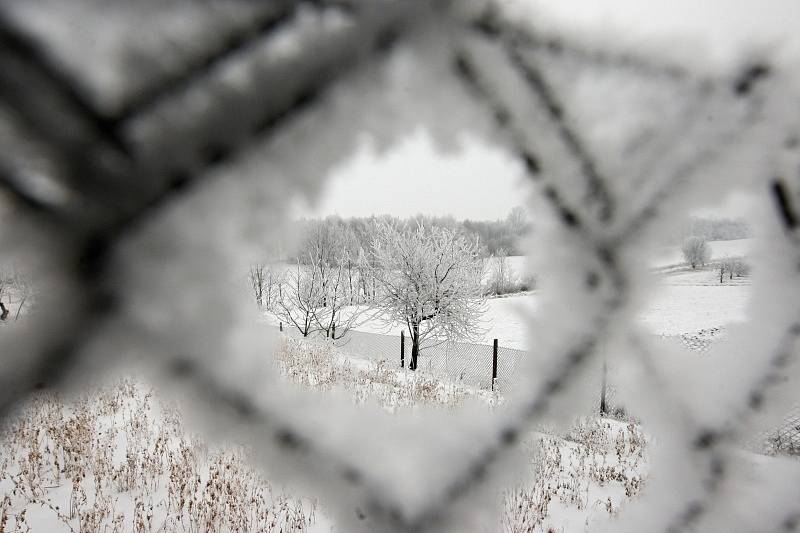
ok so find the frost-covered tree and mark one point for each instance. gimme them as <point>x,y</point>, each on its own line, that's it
<point>518,220</point>
<point>499,274</point>
<point>339,308</point>
<point>740,268</point>
<point>430,281</point>
<point>732,266</point>
<point>696,251</point>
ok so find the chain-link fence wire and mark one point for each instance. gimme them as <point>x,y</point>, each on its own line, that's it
<point>131,147</point>
<point>785,438</point>
<point>467,363</point>
<point>472,364</point>
<point>363,345</point>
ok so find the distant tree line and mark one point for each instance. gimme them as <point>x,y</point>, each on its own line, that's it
<point>716,229</point>
<point>494,237</point>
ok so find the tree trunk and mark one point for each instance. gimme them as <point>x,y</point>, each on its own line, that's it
<point>414,346</point>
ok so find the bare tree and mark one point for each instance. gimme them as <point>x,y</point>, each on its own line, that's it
<point>732,266</point>
<point>696,251</point>
<point>304,287</point>
<point>740,268</point>
<point>257,275</point>
<point>14,291</point>
<point>321,292</point>
<point>341,308</point>
<point>431,282</point>
<point>518,220</point>
<point>299,293</point>
<point>264,279</point>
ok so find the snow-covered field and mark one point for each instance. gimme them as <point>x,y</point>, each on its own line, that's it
<point>136,468</point>
<point>119,459</point>
<point>682,301</point>
<point>689,301</point>
<point>671,255</point>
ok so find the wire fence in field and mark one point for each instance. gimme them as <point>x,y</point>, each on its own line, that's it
<point>468,363</point>
<point>472,364</point>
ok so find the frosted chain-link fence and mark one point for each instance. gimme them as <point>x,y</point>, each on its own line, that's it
<point>148,150</point>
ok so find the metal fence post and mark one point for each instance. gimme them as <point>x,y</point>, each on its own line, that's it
<point>494,363</point>
<point>402,348</point>
<point>603,404</point>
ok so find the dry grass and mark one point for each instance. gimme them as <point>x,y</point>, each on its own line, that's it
<point>317,366</point>
<point>119,460</point>
<point>597,458</point>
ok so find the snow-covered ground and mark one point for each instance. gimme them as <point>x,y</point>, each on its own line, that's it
<point>120,460</point>
<point>586,478</point>
<point>691,300</point>
<point>683,302</point>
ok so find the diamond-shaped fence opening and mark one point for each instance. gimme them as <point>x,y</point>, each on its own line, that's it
<point>137,152</point>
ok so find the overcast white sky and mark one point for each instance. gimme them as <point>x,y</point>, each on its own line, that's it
<point>478,182</point>
<point>484,183</point>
